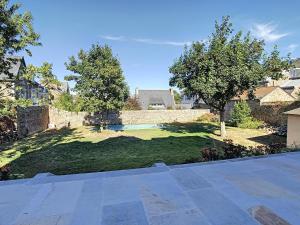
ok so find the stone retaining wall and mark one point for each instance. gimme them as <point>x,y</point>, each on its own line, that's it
<point>60,118</point>
<point>32,119</point>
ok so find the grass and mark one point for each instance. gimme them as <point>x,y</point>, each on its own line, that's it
<point>83,150</point>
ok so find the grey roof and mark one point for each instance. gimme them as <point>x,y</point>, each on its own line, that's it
<point>219,193</point>
<point>293,112</point>
<point>291,83</point>
<point>148,97</point>
<point>15,67</point>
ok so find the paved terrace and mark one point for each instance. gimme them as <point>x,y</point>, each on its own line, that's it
<point>240,192</point>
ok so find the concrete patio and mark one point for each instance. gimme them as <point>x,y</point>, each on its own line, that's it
<point>232,192</point>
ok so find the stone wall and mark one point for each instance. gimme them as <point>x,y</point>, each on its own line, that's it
<point>32,119</point>
<point>60,118</point>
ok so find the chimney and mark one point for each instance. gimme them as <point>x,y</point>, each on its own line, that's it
<point>171,91</point>
<point>136,93</point>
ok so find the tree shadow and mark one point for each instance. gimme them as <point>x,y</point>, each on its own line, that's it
<point>115,153</point>
<point>268,139</point>
<point>190,127</point>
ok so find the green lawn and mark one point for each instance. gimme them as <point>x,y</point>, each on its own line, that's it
<point>82,150</point>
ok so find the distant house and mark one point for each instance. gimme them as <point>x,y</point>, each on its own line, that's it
<point>262,96</point>
<point>293,128</point>
<point>155,99</point>
<point>15,86</point>
<point>290,81</point>
<point>57,90</point>
<point>192,103</point>
<point>267,95</point>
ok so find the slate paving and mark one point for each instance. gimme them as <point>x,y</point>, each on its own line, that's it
<point>263,190</point>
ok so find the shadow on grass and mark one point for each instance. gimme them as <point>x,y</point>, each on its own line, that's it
<point>122,152</point>
<point>190,127</point>
<point>268,139</point>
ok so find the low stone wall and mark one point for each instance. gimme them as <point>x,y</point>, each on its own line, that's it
<point>60,118</point>
<point>32,119</point>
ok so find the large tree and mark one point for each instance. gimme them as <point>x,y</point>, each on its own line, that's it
<point>99,79</point>
<point>16,34</point>
<point>225,66</point>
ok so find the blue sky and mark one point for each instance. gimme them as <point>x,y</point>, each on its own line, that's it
<point>148,35</point>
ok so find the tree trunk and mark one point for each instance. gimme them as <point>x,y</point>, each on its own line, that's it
<point>222,124</point>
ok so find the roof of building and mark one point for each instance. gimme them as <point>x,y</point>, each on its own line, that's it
<point>296,63</point>
<point>293,112</point>
<point>149,97</point>
<point>216,193</point>
<point>291,83</point>
<point>259,93</point>
<point>15,67</point>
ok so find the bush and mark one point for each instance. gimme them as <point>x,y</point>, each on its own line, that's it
<point>208,117</point>
<point>4,172</point>
<point>250,123</point>
<point>132,104</point>
<point>241,112</point>
<point>231,151</point>
<point>241,116</point>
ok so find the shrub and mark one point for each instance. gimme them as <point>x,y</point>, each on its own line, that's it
<point>132,104</point>
<point>65,102</point>
<point>250,123</point>
<point>208,117</point>
<point>210,154</point>
<point>241,112</point>
<point>4,172</point>
<point>241,116</point>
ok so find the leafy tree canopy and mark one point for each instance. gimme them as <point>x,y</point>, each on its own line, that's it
<point>16,33</point>
<point>225,66</point>
<point>177,97</point>
<point>99,79</point>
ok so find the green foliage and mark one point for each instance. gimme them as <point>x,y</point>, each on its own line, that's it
<point>241,116</point>
<point>16,33</point>
<point>224,67</point>
<point>241,111</point>
<point>65,102</point>
<point>99,79</point>
<point>43,73</point>
<point>250,123</point>
<point>132,104</point>
<point>177,97</point>
<point>68,102</point>
<point>8,107</point>
<point>23,102</point>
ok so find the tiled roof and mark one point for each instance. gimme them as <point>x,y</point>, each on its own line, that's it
<point>291,83</point>
<point>230,192</point>
<point>259,93</point>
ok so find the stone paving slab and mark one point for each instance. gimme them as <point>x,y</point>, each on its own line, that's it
<point>217,193</point>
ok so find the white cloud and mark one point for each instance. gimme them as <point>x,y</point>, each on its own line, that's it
<point>112,38</point>
<point>146,40</point>
<point>267,32</point>
<point>159,42</point>
<point>292,47</point>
